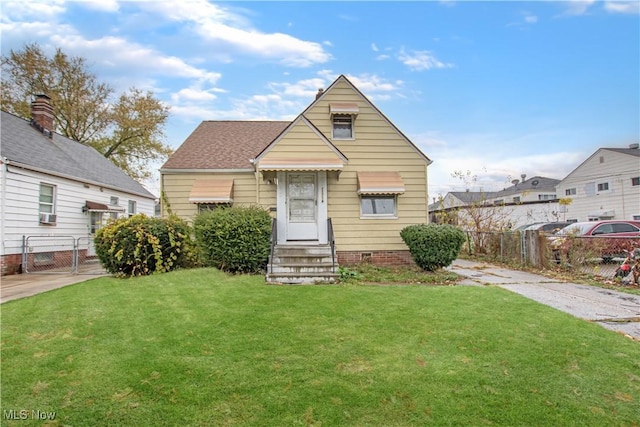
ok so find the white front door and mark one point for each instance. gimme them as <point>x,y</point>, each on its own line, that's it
<point>302,206</point>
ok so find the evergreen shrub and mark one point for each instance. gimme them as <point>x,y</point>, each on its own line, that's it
<point>234,239</point>
<point>433,246</point>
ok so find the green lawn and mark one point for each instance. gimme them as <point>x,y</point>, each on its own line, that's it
<point>200,348</point>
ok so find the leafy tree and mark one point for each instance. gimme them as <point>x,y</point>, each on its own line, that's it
<point>127,130</point>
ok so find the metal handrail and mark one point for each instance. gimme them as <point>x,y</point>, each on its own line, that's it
<point>332,243</point>
<point>274,239</point>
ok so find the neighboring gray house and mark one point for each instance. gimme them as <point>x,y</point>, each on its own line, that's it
<point>532,200</point>
<point>53,186</point>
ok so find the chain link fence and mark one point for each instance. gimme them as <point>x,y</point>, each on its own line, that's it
<point>591,255</point>
<point>60,255</point>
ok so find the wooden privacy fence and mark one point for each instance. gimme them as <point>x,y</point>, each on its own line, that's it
<point>59,255</point>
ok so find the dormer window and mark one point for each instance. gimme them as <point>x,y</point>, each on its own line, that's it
<point>342,126</point>
<point>343,115</point>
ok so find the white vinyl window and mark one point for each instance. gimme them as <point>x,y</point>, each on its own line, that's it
<point>47,198</point>
<point>132,207</point>
<point>603,186</point>
<point>342,126</point>
<point>378,206</point>
<point>570,192</point>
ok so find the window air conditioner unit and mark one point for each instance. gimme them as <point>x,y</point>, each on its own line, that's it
<point>48,218</point>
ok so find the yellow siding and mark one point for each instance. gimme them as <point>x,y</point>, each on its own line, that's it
<point>377,147</point>
<point>176,188</point>
<point>300,141</point>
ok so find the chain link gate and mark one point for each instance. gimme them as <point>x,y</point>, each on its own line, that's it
<point>59,255</point>
<point>87,261</point>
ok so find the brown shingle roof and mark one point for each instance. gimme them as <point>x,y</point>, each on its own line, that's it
<point>224,144</point>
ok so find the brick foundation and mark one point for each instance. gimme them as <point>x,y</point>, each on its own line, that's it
<point>11,264</point>
<point>387,258</point>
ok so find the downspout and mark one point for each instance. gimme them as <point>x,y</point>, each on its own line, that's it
<point>3,200</point>
<point>257,175</point>
<point>624,210</point>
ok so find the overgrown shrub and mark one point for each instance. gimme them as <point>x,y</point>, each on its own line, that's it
<point>141,245</point>
<point>235,239</point>
<point>433,246</point>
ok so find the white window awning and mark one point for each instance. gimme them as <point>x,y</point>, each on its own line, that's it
<point>212,190</point>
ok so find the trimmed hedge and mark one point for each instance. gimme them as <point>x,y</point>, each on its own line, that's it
<point>140,245</point>
<point>433,246</point>
<point>235,239</point>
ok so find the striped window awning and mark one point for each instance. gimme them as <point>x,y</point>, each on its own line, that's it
<point>344,108</point>
<point>212,190</point>
<point>286,164</point>
<point>371,183</point>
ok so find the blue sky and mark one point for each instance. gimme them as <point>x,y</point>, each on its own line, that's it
<point>499,89</point>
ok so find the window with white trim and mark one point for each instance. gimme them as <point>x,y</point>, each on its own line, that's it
<point>570,192</point>
<point>114,201</point>
<point>47,200</point>
<point>546,197</point>
<point>132,207</point>
<point>342,126</point>
<point>603,186</point>
<point>635,181</point>
<point>205,207</point>
<point>378,206</point>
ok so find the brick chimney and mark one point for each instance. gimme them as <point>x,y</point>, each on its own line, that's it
<point>42,114</point>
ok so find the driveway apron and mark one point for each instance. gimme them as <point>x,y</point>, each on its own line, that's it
<point>613,310</point>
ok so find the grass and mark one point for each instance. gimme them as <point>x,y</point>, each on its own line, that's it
<point>198,347</point>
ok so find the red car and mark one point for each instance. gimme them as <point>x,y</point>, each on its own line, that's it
<point>605,239</point>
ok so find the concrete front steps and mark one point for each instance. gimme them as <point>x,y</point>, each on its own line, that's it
<point>302,264</point>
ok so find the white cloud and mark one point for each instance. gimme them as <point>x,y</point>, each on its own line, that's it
<point>495,168</point>
<point>101,5</point>
<point>382,57</point>
<point>420,60</point>
<point>217,24</point>
<point>132,57</point>
<point>530,19</point>
<point>578,7</point>
<point>374,47</point>
<point>374,86</point>
<point>42,10</point>
<point>630,7</point>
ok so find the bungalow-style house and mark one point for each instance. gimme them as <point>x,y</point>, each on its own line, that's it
<point>527,201</point>
<point>605,186</point>
<point>55,190</point>
<point>340,172</point>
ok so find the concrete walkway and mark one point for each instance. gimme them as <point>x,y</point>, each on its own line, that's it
<point>614,310</point>
<point>26,285</point>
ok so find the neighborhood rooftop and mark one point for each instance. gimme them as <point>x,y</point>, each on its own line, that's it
<point>225,144</point>
<point>61,156</point>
